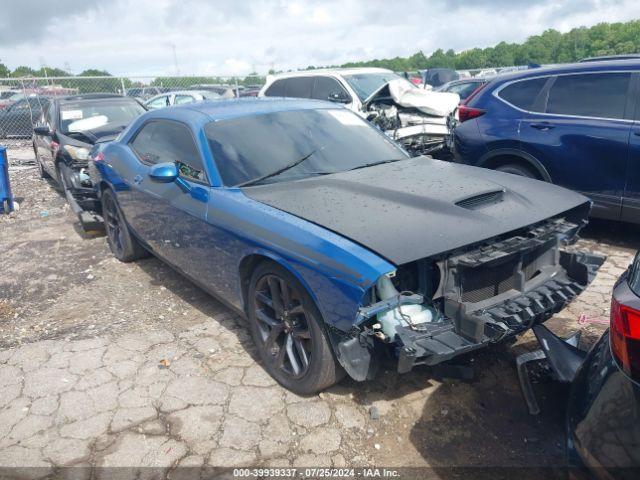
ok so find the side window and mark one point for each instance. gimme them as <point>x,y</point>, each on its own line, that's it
<point>327,88</point>
<point>163,141</point>
<point>601,95</point>
<point>276,89</point>
<point>523,94</point>
<point>180,99</point>
<point>159,102</point>
<point>298,87</point>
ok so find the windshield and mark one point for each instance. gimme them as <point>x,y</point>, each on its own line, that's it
<point>364,84</point>
<point>88,115</point>
<point>337,140</point>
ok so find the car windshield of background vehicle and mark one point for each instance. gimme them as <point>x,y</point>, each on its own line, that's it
<point>364,84</point>
<point>89,115</point>
<point>464,89</point>
<point>339,139</point>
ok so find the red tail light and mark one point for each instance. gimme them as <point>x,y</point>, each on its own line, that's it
<point>98,157</point>
<point>55,146</point>
<point>625,338</point>
<point>467,113</point>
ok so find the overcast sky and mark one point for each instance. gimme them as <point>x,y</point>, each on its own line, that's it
<point>236,37</point>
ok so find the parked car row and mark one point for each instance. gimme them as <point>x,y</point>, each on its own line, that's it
<point>144,94</point>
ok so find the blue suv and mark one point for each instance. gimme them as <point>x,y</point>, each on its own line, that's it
<point>575,125</point>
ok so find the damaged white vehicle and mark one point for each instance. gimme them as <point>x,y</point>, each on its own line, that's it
<point>414,117</point>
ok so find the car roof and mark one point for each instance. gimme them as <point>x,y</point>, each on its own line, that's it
<point>606,65</point>
<point>89,96</point>
<point>332,71</point>
<point>200,113</point>
<point>181,92</point>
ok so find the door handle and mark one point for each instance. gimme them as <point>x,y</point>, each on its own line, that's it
<point>542,126</point>
<point>137,179</point>
<point>637,133</point>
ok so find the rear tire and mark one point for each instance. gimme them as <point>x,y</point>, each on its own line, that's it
<point>516,169</point>
<point>124,246</point>
<point>289,333</point>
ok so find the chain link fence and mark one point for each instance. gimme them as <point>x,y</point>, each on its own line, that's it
<point>23,100</point>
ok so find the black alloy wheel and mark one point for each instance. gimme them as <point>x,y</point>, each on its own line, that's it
<point>123,244</point>
<point>283,325</point>
<point>113,225</point>
<point>288,330</point>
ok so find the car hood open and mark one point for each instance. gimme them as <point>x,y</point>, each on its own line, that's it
<point>439,104</point>
<point>419,207</point>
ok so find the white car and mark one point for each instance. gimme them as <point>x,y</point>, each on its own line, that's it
<point>415,117</point>
<point>178,98</point>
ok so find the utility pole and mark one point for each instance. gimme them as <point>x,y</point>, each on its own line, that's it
<point>175,59</point>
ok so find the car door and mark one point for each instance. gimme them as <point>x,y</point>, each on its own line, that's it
<point>167,216</point>
<point>581,136</point>
<point>631,198</point>
<point>45,143</point>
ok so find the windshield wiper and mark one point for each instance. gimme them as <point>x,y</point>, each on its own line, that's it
<point>277,172</point>
<point>372,164</point>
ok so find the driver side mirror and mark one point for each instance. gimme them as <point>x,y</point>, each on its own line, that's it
<point>42,130</point>
<point>164,172</point>
<point>338,97</point>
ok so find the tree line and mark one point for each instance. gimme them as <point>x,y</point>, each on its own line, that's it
<point>549,47</point>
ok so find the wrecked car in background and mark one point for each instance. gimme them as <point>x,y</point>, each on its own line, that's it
<point>337,245</point>
<point>64,134</point>
<point>414,117</point>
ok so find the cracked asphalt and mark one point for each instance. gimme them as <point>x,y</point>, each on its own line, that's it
<point>104,364</point>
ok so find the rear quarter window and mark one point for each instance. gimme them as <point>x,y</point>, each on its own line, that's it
<point>523,93</point>
<point>276,89</point>
<point>602,95</point>
<point>299,87</point>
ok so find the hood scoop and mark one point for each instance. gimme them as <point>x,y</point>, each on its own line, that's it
<point>482,200</point>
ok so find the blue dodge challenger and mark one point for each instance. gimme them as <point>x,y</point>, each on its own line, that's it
<point>337,246</point>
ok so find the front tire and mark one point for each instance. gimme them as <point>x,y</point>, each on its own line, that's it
<point>124,246</point>
<point>288,331</point>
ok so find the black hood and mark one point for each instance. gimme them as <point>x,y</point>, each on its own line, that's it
<point>417,208</point>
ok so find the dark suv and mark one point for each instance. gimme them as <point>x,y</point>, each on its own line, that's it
<point>575,125</point>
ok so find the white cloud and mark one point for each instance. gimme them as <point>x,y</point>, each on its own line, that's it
<point>231,37</point>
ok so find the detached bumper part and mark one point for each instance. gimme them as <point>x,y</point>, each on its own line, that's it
<point>82,200</point>
<point>563,357</point>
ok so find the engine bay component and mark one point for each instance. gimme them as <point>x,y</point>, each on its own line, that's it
<point>414,117</point>
<point>414,316</point>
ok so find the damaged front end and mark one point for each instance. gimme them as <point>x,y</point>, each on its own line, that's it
<point>431,310</point>
<point>415,118</point>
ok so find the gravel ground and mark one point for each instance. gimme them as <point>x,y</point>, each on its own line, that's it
<point>109,364</point>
